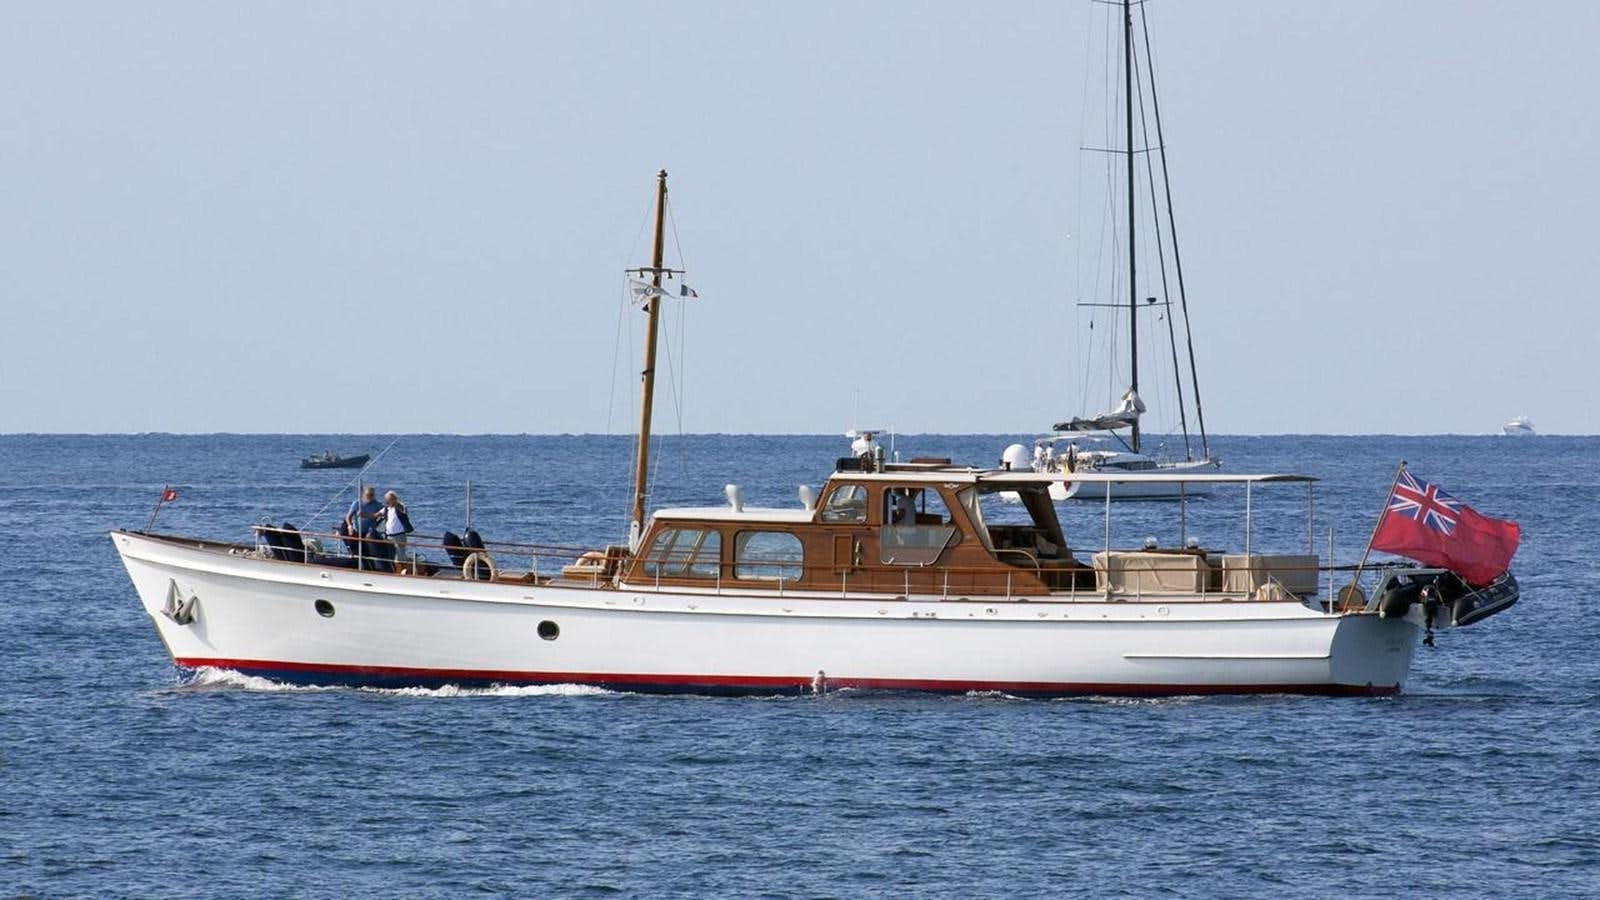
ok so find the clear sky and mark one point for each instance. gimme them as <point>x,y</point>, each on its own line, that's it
<point>397,217</point>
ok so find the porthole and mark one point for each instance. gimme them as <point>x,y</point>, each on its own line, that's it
<point>324,609</point>
<point>549,630</point>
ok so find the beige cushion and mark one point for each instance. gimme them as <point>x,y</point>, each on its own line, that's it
<point>1139,572</point>
<point>1244,574</point>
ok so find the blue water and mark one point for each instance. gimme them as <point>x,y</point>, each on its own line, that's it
<point>116,779</point>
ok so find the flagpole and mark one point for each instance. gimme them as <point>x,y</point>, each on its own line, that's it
<point>1379,524</point>
<point>152,523</point>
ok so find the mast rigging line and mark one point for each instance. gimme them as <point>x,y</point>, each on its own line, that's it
<point>675,362</point>
<point>1172,226</point>
<point>1161,257</point>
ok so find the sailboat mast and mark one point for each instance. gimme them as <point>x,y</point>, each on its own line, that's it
<point>641,471</point>
<point>1133,288</point>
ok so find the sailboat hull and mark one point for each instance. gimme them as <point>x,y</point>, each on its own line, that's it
<point>302,623</point>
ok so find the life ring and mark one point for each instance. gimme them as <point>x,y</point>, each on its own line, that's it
<point>469,566</point>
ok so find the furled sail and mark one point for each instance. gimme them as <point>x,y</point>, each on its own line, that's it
<point>1127,412</point>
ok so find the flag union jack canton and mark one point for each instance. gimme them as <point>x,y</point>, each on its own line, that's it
<point>1422,502</point>
<point>1432,527</point>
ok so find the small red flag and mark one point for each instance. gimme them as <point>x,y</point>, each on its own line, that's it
<point>1432,527</point>
<point>169,495</point>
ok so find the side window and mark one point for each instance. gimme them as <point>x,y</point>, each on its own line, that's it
<point>914,506</point>
<point>847,503</point>
<point>684,553</point>
<point>916,528</point>
<point>768,556</point>
<point>708,558</point>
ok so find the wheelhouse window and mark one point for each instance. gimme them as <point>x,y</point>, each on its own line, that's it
<point>768,556</point>
<point>847,503</point>
<point>1022,527</point>
<point>917,526</point>
<point>684,553</point>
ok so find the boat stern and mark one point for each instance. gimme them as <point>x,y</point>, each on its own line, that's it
<point>1371,654</point>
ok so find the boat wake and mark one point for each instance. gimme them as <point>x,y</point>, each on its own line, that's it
<point>505,690</point>
<point>208,678</point>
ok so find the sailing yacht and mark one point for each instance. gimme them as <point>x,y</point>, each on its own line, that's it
<point>1097,444</point>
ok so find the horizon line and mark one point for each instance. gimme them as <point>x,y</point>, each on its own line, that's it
<point>1249,434</point>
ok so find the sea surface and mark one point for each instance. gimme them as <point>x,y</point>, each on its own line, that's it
<point>119,779</point>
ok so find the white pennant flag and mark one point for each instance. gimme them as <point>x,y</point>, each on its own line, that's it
<point>643,290</point>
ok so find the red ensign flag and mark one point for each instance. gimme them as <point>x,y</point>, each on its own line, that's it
<point>1432,527</point>
<point>169,495</point>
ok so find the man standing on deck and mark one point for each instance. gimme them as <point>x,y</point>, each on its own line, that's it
<point>363,517</point>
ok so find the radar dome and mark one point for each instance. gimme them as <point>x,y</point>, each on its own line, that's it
<point>1016,458</point>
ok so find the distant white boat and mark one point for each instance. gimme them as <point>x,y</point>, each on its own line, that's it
<point>1521,425</point>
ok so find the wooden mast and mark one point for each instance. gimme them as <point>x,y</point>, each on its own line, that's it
<point>641,471</point>
<point>1133,289</point>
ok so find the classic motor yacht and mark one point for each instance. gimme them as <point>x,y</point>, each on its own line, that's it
<point>894,576</point>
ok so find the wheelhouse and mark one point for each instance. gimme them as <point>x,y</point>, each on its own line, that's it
<point>921,530</point>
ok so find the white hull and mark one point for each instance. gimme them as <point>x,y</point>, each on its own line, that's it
<point>258,616</point>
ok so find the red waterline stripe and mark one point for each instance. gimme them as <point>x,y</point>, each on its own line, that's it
<point>757,682</point>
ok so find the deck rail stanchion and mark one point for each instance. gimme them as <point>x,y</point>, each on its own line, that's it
<point>1249,525</point>
<point>1183,514</point>
<point>1107,487</point>
<point>1311,506</point>
<point>1333,600</point>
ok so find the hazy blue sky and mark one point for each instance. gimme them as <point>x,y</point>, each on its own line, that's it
<point>400,217</point>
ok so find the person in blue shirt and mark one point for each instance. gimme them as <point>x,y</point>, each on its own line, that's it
<point>365,515</point>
